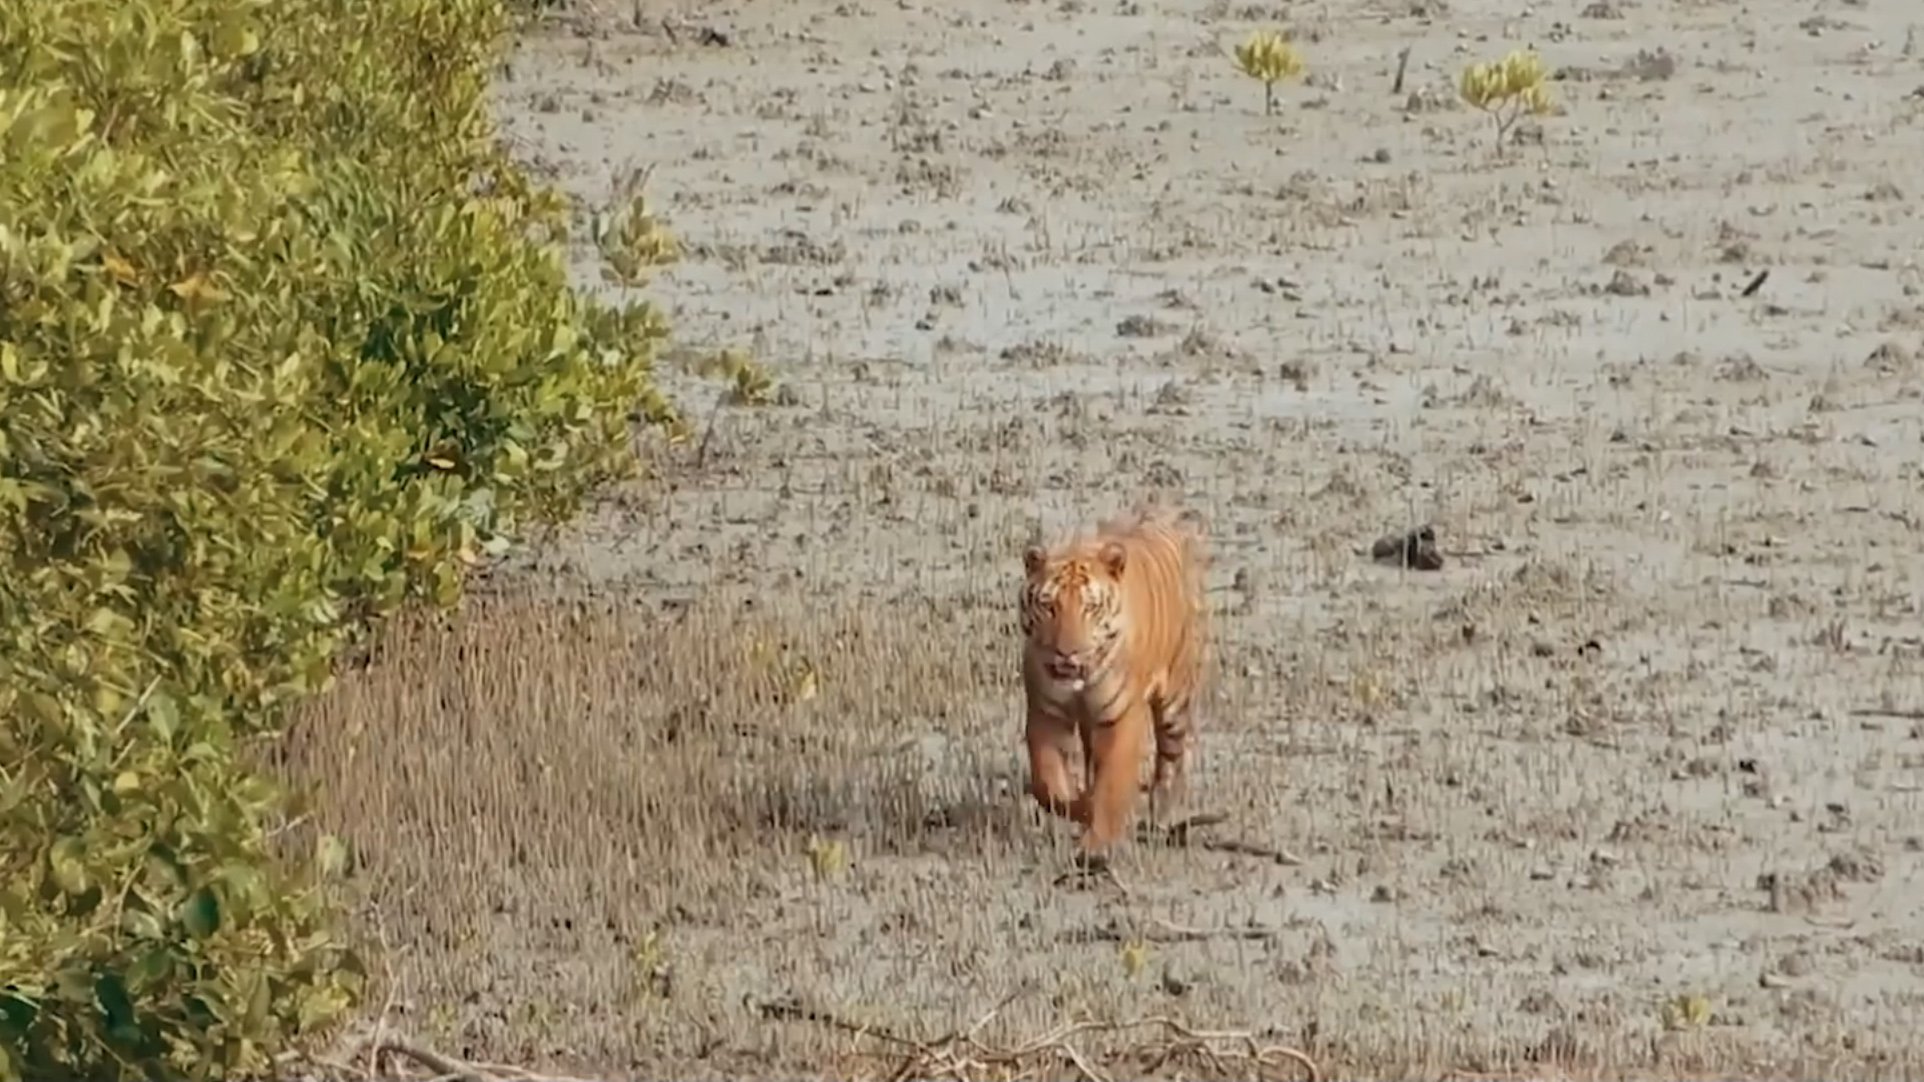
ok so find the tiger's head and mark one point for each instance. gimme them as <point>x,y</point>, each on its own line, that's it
<point>1072,608</point>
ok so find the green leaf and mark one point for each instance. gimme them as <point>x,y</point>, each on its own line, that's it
<point>234,39</point>
<point>140,924</point>
<point>17,1012</point>
<point>67,864</point>
<point>110,993</point>
<point>200,914</point>
<point>150,967</point>
<point>204,1011</point>
<point>318,1006</point>
<point>162,715</point>
<point>331,855</point>
<point>74,985</point>
<point>165,867</point>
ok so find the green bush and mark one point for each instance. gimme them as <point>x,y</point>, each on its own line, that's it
<point>284,341</point>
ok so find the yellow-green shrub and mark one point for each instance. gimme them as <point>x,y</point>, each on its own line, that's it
<point>282,343</point>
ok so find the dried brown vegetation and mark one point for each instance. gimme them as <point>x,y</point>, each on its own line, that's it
<point>602,831</point>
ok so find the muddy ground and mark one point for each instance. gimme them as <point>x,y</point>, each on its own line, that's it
<point>1628,785</point>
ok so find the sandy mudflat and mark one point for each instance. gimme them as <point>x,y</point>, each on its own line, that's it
<point>1653,731</point>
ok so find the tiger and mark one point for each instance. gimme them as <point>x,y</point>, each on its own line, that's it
<point>1114,632</point>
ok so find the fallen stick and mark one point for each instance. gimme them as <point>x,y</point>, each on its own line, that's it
<point>1162,931</point>
<point>1887,712</point>
<point>389,1045</point>
<point>963,1056</point>
<point>1180,836</point>
<point>792,1009</point>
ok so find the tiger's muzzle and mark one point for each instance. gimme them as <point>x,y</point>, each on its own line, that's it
<point>1068,668</point>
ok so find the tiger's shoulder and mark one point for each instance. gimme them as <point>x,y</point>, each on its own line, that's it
<point>1154,539</point>
<point>1182,530</point>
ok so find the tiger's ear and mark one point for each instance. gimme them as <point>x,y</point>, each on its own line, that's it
<point>1033,558</point>
<point>1114,558</point>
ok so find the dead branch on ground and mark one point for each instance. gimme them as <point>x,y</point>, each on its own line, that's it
<point>380,1048</point>
<point>964,1055</point>
<point>1183,835</point>
<point>1162,931</point>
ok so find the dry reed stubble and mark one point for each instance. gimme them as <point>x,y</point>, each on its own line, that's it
<point>562,778</point>
<point>585,826</point>
<point>537,787</point>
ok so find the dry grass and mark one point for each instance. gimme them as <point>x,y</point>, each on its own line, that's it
<point>678,737</point>
<point>598,832</point>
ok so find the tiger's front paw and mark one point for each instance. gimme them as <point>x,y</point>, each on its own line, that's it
<point>1091,862</point>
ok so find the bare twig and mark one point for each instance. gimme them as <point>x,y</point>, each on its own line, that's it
<point>708,430</point>
<point>377,1047</point>
<point>1177,833</point>
<point>291,825</point>
<point>794,1010</point>
<point>1179,836</point>
<point>387,1004</point>
<point>446,1066</point>
<point>1251,849</point>
<point>963,1055</point>
<point>1162,931</point>
<point>1886,712</point>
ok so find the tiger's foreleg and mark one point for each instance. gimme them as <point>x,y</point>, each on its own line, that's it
<point>1052,742</point>
<point>1115,752</point>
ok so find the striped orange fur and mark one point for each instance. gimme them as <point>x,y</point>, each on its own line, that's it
<point>1114,630</point>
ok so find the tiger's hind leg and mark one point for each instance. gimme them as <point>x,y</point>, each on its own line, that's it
<point>1175,738</point>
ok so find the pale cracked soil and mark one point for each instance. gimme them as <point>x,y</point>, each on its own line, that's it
<point>1628,785</point>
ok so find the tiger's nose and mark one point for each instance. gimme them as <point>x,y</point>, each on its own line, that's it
<point>1068,666</point>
